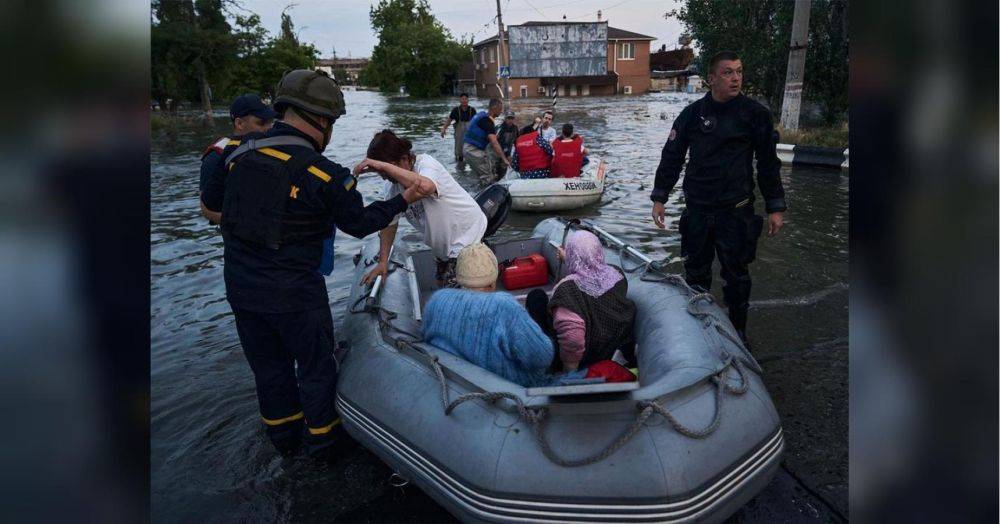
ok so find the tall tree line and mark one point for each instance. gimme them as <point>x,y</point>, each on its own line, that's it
<point>414,49</point>
<point>201,55</point>
<point>760,31</point>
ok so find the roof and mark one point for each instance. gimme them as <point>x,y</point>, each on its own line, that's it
<point>620,34</point>
<point>613,32</point>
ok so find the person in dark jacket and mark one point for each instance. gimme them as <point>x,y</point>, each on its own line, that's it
<point>724,131</point>
<point>507,133</point>
<point>280,198</point>
<point>248,115</point>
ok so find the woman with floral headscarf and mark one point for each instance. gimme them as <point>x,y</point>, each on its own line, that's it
<point>590,314</point>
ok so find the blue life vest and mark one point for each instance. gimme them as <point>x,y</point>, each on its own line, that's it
<point>474,135</point>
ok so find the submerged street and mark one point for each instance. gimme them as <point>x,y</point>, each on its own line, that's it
<point>210,460</point>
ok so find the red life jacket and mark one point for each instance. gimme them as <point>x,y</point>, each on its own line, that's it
<point>216,146</point>
<point>568,158</point>
<point>529,155</point>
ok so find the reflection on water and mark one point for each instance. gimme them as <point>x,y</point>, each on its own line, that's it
<point>210,459</point>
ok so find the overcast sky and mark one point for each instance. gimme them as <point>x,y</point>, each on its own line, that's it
<point>343,25</point>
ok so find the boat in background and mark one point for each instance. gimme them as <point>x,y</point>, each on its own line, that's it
<point>556,194</point>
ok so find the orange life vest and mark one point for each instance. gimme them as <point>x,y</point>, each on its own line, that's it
<point>529,155</point>
<point>568,157</point>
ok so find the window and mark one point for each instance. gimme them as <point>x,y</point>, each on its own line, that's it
<point>626,50</point>
<point>482,58</point>
<point>490,55</point>
<point>628,90</point>
<point>541,90</point>
<point>524,91</point>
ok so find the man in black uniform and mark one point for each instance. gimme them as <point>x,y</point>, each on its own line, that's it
<point>248,115</point>
<point>280,198</point>
<point>725,130</point>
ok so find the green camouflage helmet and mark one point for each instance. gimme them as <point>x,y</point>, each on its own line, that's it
<point>312,91</point>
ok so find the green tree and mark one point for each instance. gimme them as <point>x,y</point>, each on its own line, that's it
<point>279,57</point>
<point>341,75</point>
<point>414,49</point>
<point>197,54</point>
<point>172,47</point>
<point>760,31</point>
<point>216,51</point>
<point>192,49</point>
<point>251,41</point>
<point>264,60</point>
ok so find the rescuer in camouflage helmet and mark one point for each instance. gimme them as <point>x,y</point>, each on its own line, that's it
<point>311,94</point>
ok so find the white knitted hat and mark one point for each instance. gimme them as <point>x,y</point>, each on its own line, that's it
<point>476,266</point>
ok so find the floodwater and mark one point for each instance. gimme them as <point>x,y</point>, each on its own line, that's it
<point>210,459</point>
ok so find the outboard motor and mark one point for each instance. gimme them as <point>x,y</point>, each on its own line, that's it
<point>495,203</point>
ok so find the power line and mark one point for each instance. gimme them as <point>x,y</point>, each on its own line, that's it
<point>536,9</point>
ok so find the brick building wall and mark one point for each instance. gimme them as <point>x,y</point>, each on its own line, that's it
<point>633,73</point>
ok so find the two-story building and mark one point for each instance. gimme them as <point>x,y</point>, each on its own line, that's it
<point>564,58</point>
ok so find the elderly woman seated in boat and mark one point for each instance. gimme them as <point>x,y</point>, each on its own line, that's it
<point>590,315</point>
<point>486,327</point>
<point>569,155</point>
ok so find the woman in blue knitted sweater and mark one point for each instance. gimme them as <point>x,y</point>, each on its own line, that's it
<point>489,329</point>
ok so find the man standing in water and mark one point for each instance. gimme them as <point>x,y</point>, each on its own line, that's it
<point>280,198</point>
<point>481,135</point>
<point>248,115</point>
<point>460,116</point>
<point>725,131</point>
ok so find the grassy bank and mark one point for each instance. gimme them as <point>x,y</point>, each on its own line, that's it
<point>816,136</point>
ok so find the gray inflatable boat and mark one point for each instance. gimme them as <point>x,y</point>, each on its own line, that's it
<point>693,440</point>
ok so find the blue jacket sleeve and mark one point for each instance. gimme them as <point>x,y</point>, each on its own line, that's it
<point>212,181</point>
<point>672,158</point>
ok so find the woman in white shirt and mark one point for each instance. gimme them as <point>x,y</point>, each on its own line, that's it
<point>449,218</point>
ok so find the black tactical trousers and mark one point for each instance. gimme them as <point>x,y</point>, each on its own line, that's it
<point>731,233</point>
<point>291,355</point>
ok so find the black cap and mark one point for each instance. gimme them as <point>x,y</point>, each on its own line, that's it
<point>250,105</point>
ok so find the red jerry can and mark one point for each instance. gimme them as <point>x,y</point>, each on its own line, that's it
<point>523,272</point>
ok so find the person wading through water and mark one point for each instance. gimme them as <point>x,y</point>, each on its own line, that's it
<point>480,138</point>
<point>248,115</point>
<point>280,199</point>
<point>460,116</point>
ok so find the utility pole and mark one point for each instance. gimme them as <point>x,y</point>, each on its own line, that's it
<point>500,61</point>
<point>792,101</point>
